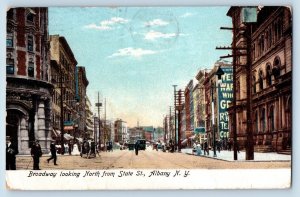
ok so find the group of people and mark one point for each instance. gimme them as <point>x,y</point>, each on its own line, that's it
<point>35,152</point>
<point>220,145</point>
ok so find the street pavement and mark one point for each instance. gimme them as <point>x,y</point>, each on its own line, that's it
<point>148,159</point>
<point>228,155</point>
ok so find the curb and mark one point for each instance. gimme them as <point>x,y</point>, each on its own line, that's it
<point>216,158</point>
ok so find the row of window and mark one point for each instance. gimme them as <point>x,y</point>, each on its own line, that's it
<point>268,76</point>
<point>10,67</point>
<point>270,36</point>
<point>261,120</point>
<point>10,42</point>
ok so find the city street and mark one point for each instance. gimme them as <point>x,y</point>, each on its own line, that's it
<point>149,159</point>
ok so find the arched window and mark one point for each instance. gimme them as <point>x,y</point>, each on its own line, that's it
<point>261,80</point>
<point>269,74</point>
<point>262,40</point>
<point>272,119</point>
<point>30,15</point>
<point>276,67</point>
<point>254,83</point>
<point>263,120</point>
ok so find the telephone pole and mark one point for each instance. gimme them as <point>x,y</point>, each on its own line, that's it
<point>98,105</point>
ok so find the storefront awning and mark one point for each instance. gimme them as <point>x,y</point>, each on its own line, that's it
<point>68,128</point>
<point>56,132</point>
<point>68,136</point>
<point>184,142</point>
<point>200,130</point>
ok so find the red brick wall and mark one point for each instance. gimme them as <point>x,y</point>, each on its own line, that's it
<point>20,14</point>
<point>21,58</point>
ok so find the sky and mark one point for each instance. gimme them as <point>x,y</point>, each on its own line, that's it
<point>133,55</point>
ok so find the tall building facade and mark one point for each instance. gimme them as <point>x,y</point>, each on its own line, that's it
<point>271,77</point>
<point>28,90</point>
<point>64,63</point>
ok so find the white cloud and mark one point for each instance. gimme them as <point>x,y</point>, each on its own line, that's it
<point>107,24</point>
<point>153,35</point>
<point>113,21</point>
<point>98,27</point>
<point>156,22</point>
<point>188,14</point>
<point>137,53</point>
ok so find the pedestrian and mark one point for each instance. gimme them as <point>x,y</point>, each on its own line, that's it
<point>70,148</point>
<point>136,147</point>
<point>36,153</point>
<point>229,145</point>
<point>206,148</point>
<point>53,153</point>
<point>11,152</point>
<point>237,147</point>
<point>219,146</point>
<point>198,149</point>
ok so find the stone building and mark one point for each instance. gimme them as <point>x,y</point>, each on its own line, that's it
<point>270,77</point>
<point>28,89</point>
<point>89,120</point>
<point>63,64</point>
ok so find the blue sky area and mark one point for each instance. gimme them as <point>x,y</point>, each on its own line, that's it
<point>133,55</point>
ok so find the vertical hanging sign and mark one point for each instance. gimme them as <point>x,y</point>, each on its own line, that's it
<point>225,98</point>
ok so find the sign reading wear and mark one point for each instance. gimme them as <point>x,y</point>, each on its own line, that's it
<point>225,92</point>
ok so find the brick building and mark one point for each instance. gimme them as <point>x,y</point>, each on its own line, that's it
<point>28,90</point>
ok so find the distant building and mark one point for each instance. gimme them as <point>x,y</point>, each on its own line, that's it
<point>28,88</point>
<point>89,127</point>
<point>121,132</point>
<point>81,86</point>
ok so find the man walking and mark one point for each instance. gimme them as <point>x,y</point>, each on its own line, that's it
<point>136,148</point>
<point>53,153</point>
<point>36,153</point>
<point>206,148</point>
<point>11,152</point>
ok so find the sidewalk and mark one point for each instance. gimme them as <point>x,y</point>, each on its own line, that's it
<point>228,156</point>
